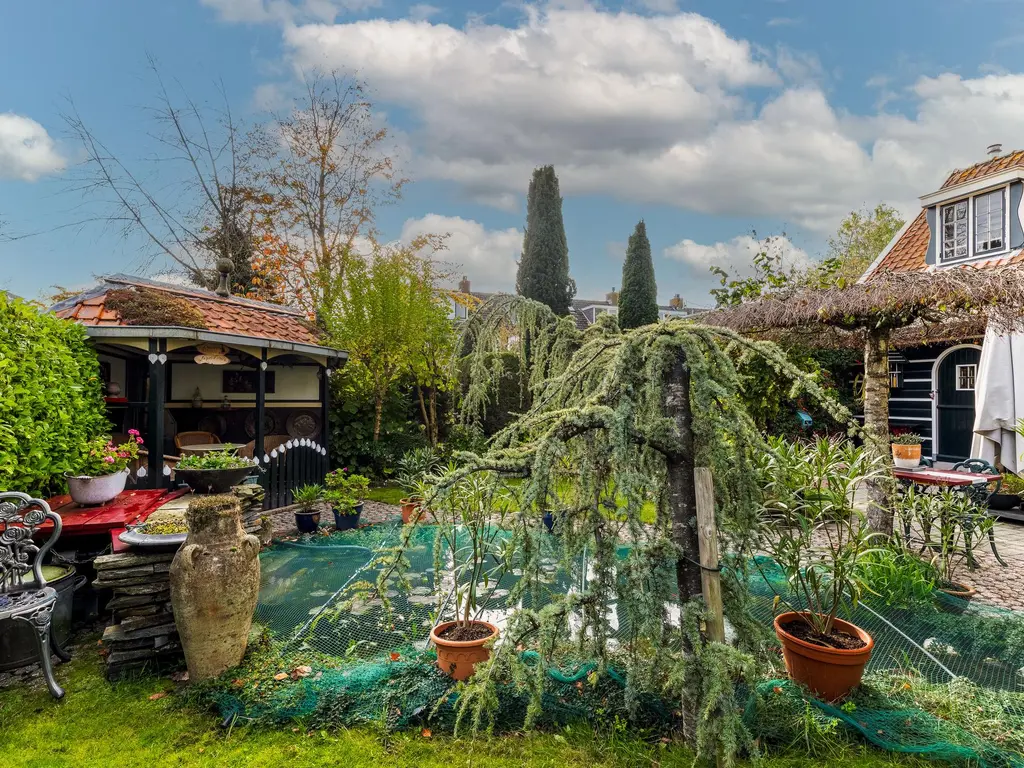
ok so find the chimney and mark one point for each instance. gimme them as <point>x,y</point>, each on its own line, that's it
<point>994,150</point>
<point>676,302</point>
<point>613,297</point>
<point>464,285</point>
<point>224,266</point>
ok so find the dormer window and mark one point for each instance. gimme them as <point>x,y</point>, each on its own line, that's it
<point>974,226</point>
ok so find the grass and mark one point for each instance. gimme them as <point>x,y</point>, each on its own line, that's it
<point>103,725</point>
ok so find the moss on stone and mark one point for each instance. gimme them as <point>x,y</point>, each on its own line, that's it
<point>143,306</point>
<point>204,510</point>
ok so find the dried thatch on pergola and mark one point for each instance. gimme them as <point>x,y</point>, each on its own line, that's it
<point>890,309</point>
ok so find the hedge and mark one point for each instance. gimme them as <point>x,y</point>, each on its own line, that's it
<point>51,402</point>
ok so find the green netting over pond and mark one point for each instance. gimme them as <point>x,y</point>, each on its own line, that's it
<point>946,679</point>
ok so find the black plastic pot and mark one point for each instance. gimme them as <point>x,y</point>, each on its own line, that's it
<point>549,521</point>
<point>1003,502</point>
<point>212,480</point>
<point>347,521</point>
<point>307,522</point>
<point>17,639</point>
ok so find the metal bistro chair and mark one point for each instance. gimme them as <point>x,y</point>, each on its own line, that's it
<point>24,595</point>
<point>981,494</point>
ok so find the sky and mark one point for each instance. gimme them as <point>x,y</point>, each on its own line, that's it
<point>712,120</point>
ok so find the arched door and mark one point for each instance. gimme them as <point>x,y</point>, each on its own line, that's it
<point>956,377</point>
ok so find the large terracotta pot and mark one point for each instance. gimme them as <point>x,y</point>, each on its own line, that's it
<point>961,595</point>
<point>830,673</point>
<point>96,490</point>
<point>410,509</point>
<point>458,658</point>
<point>215,581</point>
<point>906,456</point>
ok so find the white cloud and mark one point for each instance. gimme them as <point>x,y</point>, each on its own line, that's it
<point>26,149</point>
<point>669,109</point>
<point>736,256</point>
<point>487,257</point>
<point>423,11</point>
<point>784,21</point>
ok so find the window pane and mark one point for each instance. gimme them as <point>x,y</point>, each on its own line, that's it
<point>989,220</point>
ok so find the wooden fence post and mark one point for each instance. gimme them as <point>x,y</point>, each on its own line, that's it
<point>707,534</point>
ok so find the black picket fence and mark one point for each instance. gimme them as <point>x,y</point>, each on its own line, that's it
<point>296,463</point>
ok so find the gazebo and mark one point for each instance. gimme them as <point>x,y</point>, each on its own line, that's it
<point>185,365</point>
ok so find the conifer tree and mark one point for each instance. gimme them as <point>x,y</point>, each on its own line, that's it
<point>638,301</point>
<point>543,273</point>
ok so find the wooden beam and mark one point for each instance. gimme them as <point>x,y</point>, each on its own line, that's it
<point>261,402</point>
<point>707,533</point>
<point>157,386</point>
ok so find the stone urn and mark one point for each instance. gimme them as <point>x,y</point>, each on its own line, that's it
<point>215,581</point>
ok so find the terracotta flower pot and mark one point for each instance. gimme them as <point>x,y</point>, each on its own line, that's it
<point>410,509</point>
<point>906,456</point>
<point>830,673</point>
<point>458,658</point>
<point>961,595</point>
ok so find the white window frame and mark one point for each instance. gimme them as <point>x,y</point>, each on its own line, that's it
<point>974,377</point>
<point>971,253</point>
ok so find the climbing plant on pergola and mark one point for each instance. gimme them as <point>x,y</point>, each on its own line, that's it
<point>890,306</point>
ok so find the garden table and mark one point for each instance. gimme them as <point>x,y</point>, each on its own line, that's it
<point>111,518</point>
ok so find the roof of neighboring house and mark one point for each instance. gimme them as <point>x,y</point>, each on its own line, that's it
<point>231,315</point>
<point>907,251</point>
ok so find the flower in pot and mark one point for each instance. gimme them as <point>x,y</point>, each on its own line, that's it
<point>906,450</point>
<point>214,472</point>
<point>413,468</point>
<point>104,469</point>
<point>308,499</point>
<point>469,511</point>
<point>345,493</point>
<point>818,545</point>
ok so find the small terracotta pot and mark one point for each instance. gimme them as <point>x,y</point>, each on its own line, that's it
<point>830,673</point>
<point>410,509</point>
<point>963,594</point>
<point>458,658</point>
<point>906,456</point>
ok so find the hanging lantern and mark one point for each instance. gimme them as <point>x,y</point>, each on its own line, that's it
<point>896,363</point>
<point>212,354</point>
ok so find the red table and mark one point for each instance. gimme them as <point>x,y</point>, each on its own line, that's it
<point>943,477</point>
<point>110,518</point>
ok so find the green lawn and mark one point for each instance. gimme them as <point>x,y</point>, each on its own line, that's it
<point>386,494</point>
<point>101,725</point>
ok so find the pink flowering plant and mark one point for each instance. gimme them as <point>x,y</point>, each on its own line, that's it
<point>102,457</point>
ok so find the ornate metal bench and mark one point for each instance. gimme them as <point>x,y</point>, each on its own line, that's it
<point>24,595</point>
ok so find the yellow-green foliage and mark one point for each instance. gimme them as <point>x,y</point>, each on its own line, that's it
<point>51,404</point>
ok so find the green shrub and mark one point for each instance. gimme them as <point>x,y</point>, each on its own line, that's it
<point>51,404</point>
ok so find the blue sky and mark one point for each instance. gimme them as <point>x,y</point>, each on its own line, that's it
<point>707,119</point>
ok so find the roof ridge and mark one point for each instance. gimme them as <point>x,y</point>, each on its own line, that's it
<point>200,293</point>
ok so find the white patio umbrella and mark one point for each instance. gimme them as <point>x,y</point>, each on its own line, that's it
<point>999,399</point>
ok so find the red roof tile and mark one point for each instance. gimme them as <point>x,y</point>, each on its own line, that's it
<point>987,168</point>
<point>233,315</point>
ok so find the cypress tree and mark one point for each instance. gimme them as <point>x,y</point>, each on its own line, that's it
<point>638,301</point>
<point>543,273</point>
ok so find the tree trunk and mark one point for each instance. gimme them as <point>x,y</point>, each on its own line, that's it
<point>682,495</point>
<point>434,435</point>
<point>378,411</point>
<point>876,424</point>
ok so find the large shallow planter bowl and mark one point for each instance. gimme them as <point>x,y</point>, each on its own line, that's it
<point>87,490</point>
<point>829,673</point>
<point>906,456</point>
<point>136,538</point>
<point>458,658</point>
<point>212,480</point>
<point>18,639</point>
<point>1003,502</point>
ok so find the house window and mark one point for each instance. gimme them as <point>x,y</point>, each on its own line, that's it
<point>989,218</point>
<point>965,377</point>
<point>954,231</point>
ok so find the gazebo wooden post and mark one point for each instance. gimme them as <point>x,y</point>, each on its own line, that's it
<point>325,400</point>
<point>258,448</point>
<point>155,436</point>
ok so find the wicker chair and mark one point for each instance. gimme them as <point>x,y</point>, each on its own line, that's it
<point>24,595</point>
<point>185,439</point>
<point>270,442</point>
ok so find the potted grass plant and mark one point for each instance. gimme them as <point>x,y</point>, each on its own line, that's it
<point>906,450</point>
<point>469,514</point>
<point>817,539</point>
<point>308,499</point>
<point>345,493</point>
<point>104,469</point>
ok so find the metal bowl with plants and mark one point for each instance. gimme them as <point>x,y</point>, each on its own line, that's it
<point>214,472</point>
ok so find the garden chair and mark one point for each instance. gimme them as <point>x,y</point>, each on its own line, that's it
<point>981,493</point>
<point>185,439</point>
<point>24,595</point>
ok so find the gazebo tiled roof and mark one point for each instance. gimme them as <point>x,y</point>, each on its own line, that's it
<point>230,315</point>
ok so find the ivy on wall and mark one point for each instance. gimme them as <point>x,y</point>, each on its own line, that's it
<point>51,403</point>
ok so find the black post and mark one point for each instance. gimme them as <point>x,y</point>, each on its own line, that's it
<point>261,397</point>
<point>325,399</point>
<point>155,438</point>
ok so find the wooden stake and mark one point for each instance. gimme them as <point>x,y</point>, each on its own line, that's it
<point>707,533</point>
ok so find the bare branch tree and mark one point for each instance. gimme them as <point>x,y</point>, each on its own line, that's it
<point>201,214</point>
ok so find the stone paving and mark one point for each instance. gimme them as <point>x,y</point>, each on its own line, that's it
<point>997,585</point>
<point>283,519</point>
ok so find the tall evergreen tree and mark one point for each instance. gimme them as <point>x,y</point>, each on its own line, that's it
<point>638,301</point>
<point>544,267</point>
